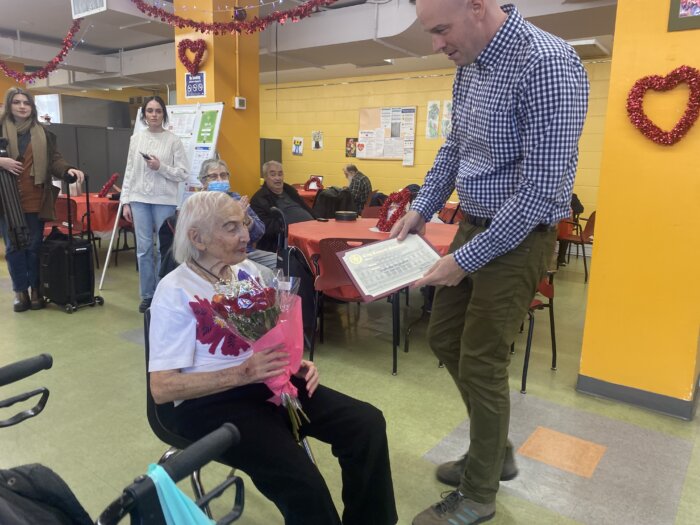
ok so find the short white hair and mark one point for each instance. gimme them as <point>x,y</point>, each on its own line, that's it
<point>198,212</point>
<point>266,167</point>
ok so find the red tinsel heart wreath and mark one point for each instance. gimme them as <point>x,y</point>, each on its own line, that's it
<point>399,201</point>
<point>635,110</point>
<point>198,47</point>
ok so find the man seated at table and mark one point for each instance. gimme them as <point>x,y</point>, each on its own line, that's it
<point>275,193</point>
<point>359,184</point>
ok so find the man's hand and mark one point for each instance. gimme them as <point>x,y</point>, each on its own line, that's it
<point>126,212</point>
<point>412,222</point>
<point>446,272</point>
<point>309,373</point>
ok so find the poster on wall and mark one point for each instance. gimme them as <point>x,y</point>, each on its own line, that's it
<point>317,140</point>
<point>432,119</point>
<point>297,146</point>
<point>351,147</point>
<point>383,132</point>
<point>684,15</point>
<point>446,126</point>
<point>196,85</point>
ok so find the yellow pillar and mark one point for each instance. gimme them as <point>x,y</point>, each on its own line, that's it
<point>640,340</point>
<point>7,82</point>
<point>232,69</point>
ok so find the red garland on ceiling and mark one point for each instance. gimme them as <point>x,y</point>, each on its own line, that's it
<point>68,43</point>
<point>235,26</point>
<point>639,119</point>
<point>399,203</point>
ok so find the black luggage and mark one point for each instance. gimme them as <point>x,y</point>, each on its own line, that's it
<point>67,270</point>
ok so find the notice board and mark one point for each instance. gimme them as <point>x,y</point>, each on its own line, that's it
<point>387,133</point>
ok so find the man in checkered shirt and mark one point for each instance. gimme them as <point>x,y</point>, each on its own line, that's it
<point>359,185</point>
<point>520,97</point>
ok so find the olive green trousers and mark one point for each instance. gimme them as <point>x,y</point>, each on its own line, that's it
<point>472,326</point>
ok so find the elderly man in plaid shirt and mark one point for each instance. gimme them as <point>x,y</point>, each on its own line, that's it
<point>520,97</point>
<point>359,185</point>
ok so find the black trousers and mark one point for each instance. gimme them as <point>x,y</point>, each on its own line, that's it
<point>280,468</point>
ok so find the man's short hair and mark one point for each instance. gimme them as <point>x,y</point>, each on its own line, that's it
<point>266,167</point>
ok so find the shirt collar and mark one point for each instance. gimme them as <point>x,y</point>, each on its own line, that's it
<point>505,35</point>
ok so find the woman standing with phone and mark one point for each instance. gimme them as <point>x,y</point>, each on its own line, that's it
<point>157,163</point>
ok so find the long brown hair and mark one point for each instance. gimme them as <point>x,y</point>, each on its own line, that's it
<point>7,109</point>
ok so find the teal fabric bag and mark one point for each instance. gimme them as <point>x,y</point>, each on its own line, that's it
<point>178,509</point>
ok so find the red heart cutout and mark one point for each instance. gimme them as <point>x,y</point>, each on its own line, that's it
<point>198,47</point>
<point>635,110</point>
<point>360,146</point>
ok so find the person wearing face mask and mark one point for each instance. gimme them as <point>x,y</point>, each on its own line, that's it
<point>156,164</point>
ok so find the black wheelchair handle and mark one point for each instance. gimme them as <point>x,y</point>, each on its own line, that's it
<point>202,451</point>
<point>25,368</point>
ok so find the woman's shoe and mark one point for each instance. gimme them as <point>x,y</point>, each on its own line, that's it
<point>37,301</point>
<point>22,302</point>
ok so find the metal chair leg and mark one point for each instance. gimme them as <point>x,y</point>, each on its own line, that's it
<point>585,265</point>
<point>553,334</point>
<point>530,329</point>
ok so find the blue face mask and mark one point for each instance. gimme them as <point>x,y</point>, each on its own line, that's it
<point>219,185</point>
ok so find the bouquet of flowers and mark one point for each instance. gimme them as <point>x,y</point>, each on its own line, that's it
<point>264,315</point>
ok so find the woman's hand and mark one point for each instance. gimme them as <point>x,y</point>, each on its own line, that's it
<point>13,166</point>
<point>309,373</point>
<point>244,202</point>
<point>79,175</point>
<point>265,364</point>
<point>153,163</point>
<point>126,212</point>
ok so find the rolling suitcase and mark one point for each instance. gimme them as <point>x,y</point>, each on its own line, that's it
<point>67,270</point>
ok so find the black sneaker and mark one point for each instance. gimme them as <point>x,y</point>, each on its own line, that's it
<point>450,472</point>
<point>145,305</point>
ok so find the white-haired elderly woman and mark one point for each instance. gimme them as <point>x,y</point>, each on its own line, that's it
<point>211,380</point>
<point>214,175</point>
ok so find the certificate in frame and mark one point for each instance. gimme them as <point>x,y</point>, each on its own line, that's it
<point>381,268</point>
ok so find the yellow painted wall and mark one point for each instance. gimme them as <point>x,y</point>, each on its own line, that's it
<point>642,320</point>
<point>239,135</point>
<point>6,82</point>
<point>332,106</point>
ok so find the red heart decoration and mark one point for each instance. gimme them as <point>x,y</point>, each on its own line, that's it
<point>635,110</point>
<point>198,47</point>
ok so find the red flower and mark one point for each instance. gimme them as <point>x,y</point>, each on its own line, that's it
<point>211,332</point>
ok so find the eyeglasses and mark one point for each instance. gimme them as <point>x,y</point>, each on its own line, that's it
<point>209,177</point>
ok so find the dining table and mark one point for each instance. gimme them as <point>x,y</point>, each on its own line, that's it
<point>309,196</point>
<point>307,235</point>
<point>103,211</point>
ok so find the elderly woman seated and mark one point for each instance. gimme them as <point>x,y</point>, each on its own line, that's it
<point>210,386</point>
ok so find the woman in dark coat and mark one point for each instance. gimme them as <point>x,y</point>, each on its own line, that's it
<point>33,159</point>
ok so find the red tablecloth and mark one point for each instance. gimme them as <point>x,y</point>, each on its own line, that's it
<point>307,235</point>
<point>308,196</point>
<point>103,211</point>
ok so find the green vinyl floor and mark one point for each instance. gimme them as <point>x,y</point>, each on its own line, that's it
<point>94,432</point>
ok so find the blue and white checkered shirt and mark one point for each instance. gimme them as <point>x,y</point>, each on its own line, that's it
<point>518,111</point>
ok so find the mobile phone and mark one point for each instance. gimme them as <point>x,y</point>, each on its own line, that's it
<point>321,219</point>
<point>147,157</point>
